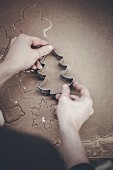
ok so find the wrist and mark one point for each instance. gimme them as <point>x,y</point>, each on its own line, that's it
<point>9,68</point>
<point>66,132</point>
<point>74,152</point>
<point>67,125</point>
<point>5,72</point>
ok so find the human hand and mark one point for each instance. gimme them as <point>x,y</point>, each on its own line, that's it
<point>21,56</point>
<point>1,119</point>
<point>73,111</point>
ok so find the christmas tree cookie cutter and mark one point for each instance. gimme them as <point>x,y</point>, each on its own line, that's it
<point>43,78</point>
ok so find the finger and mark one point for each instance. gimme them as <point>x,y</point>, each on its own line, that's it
<point>58,96</point>
<point>34,67</point>
<point>12,41</point>
<point>83,90</point>
<point>43,51</point>
<point>65,91</point>
<point>37,41</point>
<point>38,64</point>
<point>74,97</point>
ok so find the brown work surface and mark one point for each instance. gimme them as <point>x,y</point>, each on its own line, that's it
<point>82,32</point>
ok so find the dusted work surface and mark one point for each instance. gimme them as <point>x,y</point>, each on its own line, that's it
<point>82,32</point>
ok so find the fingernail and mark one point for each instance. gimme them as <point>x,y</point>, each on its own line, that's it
<point>50,47</point>
<point>65,86</point>
<point>76,82</point>
<point>40,66</point>
<point>34,67</point>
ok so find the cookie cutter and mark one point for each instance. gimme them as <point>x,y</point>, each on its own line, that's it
<point>48,92</point>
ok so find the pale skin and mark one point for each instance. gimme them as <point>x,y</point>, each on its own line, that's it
<point>72,111</point>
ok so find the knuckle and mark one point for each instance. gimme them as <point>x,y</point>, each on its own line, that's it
<point>89,101</point>
<point>22,36</point>
<point>92,111</point>
<point>45,50</point>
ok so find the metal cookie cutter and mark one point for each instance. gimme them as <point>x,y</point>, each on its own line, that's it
<point>48,92</point>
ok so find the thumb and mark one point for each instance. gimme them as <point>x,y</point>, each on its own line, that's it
<point>65,91</point>
<point>44,50</point>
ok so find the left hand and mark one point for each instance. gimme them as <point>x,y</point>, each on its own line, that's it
<point>21,56</point>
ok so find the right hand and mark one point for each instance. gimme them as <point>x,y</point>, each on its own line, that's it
<point>73,110</point>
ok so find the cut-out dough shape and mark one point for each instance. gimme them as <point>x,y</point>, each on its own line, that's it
<point>44,115</point>
<point>33,22</point>
<point>12,114</point>
<point>4,42</point>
